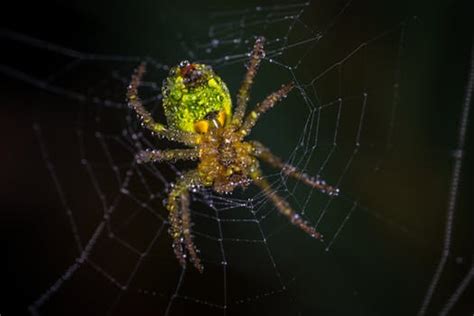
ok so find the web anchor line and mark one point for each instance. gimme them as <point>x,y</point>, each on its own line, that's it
<point>458,155</point>
<point>458,292</point>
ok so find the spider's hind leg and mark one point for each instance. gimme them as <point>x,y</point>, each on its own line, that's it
<point>267,156</point>
<point>284,208</point>
<point>180,220</point>
<point>188,238</point>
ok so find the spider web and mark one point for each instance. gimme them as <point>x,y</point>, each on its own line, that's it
<point>103,236</point>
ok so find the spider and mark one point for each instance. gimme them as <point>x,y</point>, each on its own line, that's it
<point>198,110</point>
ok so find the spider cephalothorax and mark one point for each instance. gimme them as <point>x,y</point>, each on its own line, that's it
<point>197,106</point>
<point>226,160</point>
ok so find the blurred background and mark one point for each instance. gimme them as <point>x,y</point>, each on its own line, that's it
<point>384,233</point>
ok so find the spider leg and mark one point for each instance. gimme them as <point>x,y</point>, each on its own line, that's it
<point>266,155</point>
<point>180,219</point>
<point>188,238</point>
<point>264,106</point>
<point>167,155</point>
<point>147,120</point>
<point>256,56</point>
<point>285,208</point>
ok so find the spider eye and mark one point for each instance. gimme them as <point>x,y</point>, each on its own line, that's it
<point>192,74</point>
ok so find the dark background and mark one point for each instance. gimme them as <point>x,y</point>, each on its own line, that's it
<point>374,271</point>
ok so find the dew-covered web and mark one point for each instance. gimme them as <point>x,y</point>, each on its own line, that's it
<point>338,124</point>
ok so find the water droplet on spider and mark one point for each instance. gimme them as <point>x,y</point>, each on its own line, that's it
<point>215,42</point>
<point>184,63</point>
<point>124,191</point>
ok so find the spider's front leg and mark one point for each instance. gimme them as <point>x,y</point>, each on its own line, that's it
<point>180,220</point>
<point>147,120</point>
<point>264,106</point>
<point>256,56</point>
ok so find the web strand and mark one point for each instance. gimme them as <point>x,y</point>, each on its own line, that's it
<point>458,155</point>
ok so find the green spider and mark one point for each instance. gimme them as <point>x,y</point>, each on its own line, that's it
<point>198,109</point>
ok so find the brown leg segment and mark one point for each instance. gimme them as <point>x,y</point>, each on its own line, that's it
<point>285,209</point>
<point>179,218</point>
<point>256,57</point>
<point>264,106</point>
<point>266,155</point>
<point>188,238</point>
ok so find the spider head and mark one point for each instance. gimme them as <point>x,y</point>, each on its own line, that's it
<point>192,93</point>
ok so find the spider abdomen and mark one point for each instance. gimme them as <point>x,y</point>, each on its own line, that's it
<point>192,91</point>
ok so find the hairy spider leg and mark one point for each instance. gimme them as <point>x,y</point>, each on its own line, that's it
<point>147,120</point>
<point>188,238</point>
<point>170,155</point>
<point>180,221</point>
<point>256,57</point>
<point>267,156</point>
<point>264,106</point>
<point>284,207</point>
